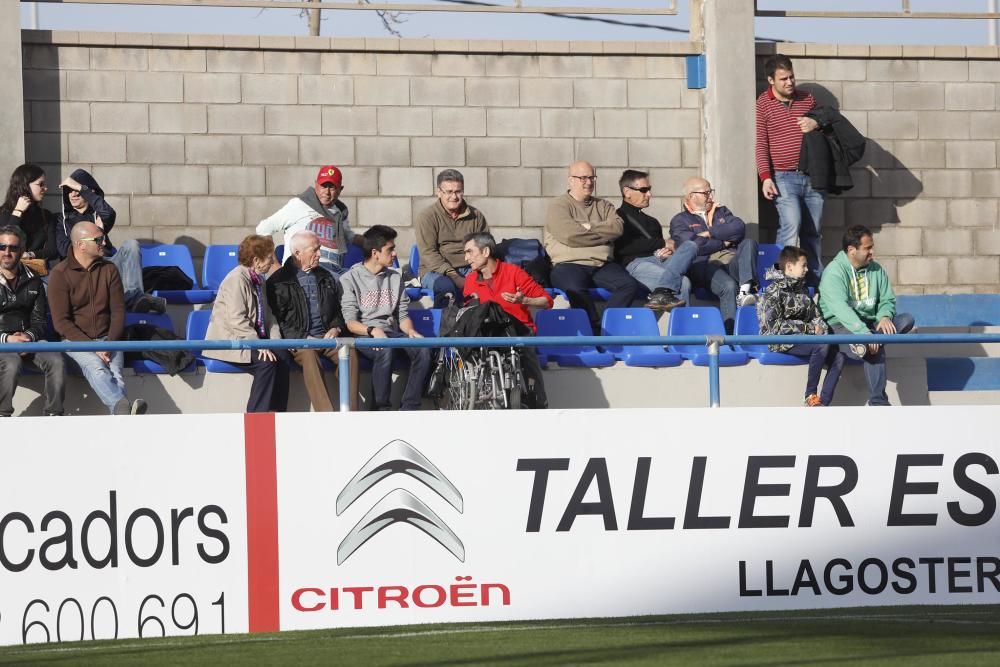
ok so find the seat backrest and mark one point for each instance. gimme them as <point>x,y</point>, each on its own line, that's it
<point>219,261</point>
<point>354,255</point>
<point>564,322</point>
<point>629,322</point>
<point>279,252</point>
<point>695,321</point>
<point>748,325</point>
<point>161,320</point>
<point>767,255</point>
<point>414,260</point>
<point>427,322</point>
<point>169,254</point>
<point>197,324</point>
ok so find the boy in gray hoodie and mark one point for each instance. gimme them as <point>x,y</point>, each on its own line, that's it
<point>375,305</point>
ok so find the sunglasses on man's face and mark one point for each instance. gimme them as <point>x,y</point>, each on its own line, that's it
<point>13,247</point>
<point>99,240</point>
<point>644,189</point>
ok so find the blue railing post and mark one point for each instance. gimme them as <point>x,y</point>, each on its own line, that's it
<point>344,347</point>
<point>713,370</point>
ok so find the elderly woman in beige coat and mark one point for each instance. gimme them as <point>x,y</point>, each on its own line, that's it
<point>240,312</point>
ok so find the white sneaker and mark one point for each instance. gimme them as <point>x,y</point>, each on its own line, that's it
<point>139,407</point>
<point>746,299</point>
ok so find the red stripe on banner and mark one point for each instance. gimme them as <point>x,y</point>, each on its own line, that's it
<point>262,522</point>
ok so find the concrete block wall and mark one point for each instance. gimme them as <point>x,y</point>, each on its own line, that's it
<point>929,183</point>
<point>197,138</point>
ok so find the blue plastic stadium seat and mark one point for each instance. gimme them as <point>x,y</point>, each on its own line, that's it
<point>701,321</point>
<point>354,255</point>
<point>166,254</point>
<point>600,294</point>
<point>747,325</point>
<point>414,260</point>
<point>426,322</point>
<point>416,293</point>
<point>767,256</point>
<point>636,322</point>
<point>279,252</point>
<point>219,261</point>
<point>162,321</point>
<point>570,322</point>
<point>554,292</point>
<point>197,325</point>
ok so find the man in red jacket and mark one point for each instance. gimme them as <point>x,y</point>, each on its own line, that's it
<point>510,286</point>
<point>780,125</point>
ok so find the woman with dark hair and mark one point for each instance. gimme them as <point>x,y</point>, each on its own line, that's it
<point>241,312</point>
<point>23,208</point>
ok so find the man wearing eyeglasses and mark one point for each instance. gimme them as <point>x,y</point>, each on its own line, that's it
<point>23,319</point>
<point>320,211</point>
<point>441,229</point>
<point>658,264</point>
<point>88,304</point>
<point>580,231</point>
<point>727,261</point>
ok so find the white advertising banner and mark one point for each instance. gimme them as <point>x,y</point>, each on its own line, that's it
<point>473,516</point>
<point>177,525</point>
<point>116,527</point>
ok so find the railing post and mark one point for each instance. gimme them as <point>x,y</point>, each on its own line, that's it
<point>714,343</point>
<point>344,346</point>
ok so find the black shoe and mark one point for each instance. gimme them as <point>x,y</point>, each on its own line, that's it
<point>663,299</point>
<point>148,303</point>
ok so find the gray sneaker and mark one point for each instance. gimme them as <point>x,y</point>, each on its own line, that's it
<point>139,407</point>
<point>746,299</point>
<point>122,407</point>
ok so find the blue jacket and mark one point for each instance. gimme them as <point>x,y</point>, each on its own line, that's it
<point>685,226</point>
<point>96,207</point>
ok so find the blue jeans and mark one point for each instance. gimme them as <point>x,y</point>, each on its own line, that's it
<point>664,273</point>
<point>105,379</point>
<point>724,280</point>
<point>420,366</point>
<point>875,373</point>
<point>128,261</point>
<point>441,285</point>
<point>819,356</point>
<point>795,194</point>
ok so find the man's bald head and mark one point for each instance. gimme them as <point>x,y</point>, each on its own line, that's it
<point>84,230</point>
<point>698,194</point>
<point>582,180</point>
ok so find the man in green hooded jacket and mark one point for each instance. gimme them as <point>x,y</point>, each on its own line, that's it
<point>855,297</point>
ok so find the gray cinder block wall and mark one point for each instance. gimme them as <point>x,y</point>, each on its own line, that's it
<point>196,138</point>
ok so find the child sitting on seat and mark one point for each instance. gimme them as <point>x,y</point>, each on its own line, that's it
<point>786,309</point>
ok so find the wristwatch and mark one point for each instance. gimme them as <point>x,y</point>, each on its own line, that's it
<point>370,330</point>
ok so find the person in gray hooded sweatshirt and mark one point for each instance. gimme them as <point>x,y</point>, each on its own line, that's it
<point>320,211</point>
<point>374,304</point>
<point>83,201</point>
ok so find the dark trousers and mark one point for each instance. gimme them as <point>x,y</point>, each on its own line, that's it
<point>420,365</point>
<point>875,372</point>
<point>819,356</point>
<point>269,391</point>
<point>724,280</point>
<point>535,396</point>
<point>576,279</point>
<point>50,363</point>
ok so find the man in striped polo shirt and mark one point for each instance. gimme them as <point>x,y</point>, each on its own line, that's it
<point>780,126</point>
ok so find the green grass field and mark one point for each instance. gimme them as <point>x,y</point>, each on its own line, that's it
<point>961,635</point>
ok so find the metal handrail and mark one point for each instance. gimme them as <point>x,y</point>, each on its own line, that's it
<point>713,344</point>
<point>518,8</point>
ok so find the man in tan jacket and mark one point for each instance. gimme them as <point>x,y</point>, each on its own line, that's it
<point>580,230</point>
<point>441,229</point>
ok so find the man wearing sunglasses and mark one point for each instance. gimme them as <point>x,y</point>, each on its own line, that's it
<point>23,319</point>
<point>88,304</point>
<point>658,264</point>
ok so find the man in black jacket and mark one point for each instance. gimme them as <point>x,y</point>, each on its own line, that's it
<point>23,318</point>
<point>656,263</point>
<point>306,304</point>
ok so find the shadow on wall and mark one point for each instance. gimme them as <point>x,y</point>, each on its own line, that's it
<point>882,184</point>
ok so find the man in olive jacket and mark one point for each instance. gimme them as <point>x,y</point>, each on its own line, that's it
<point>306,304</point>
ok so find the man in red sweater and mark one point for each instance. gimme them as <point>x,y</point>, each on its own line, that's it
<point>780,126</point>
<point>510,286</point>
